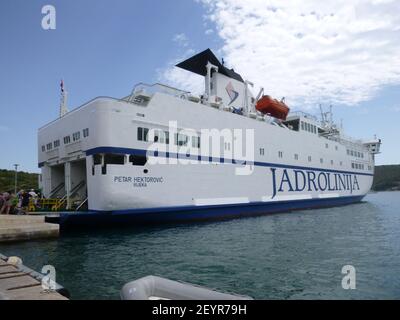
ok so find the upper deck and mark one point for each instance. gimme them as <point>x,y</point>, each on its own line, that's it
<point>226,103</point>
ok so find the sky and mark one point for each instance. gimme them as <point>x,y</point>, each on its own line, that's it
<point>344,53</point>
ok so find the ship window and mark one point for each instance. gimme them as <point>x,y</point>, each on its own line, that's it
<point>196,143</point>
<point>166,133</point>
<point>49,146</point>
<point>309,158</point>
<point>145,134</point>
<point>43,148</point>
<point>293,124</point>
<point>348,152</point>
<point>86,132</point>
<point>161,136</point>
<point>341,163</point>
<point>331,162</point>
<point>67,139</point>
<point>321,160</point>
<point>110,158</point>
<point>296,157</point>
<point>56,143</point>
<point>302,125</point>
<point>352,165</point>
<point>157,136</point>
<point>336,148</point>
<point>76,136</point>
<point>280,154</point>
<point>262,151</point>
<point>362,155</point>
<point>142,134</point>
<point>326,145</point>
<point>137,160</point>
<point>181,139</point>
<point>97,159</point>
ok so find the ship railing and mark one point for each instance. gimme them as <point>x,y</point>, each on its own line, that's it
<point>144,90</point>
<point>303,114</point>
<point>81,204</point>
<point>347,141</point>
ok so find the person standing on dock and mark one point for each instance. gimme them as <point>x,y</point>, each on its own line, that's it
<point>25,197</point>
<point>19,197</point>
<point>6,199</point>
<point>34,196</point>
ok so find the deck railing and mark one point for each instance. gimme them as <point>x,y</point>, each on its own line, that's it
<point>151,89</point>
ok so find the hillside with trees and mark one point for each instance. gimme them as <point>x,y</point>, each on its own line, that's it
<point>25,180</point>
<point>386,178</point>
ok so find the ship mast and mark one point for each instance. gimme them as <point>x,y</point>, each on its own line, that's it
<point>63,100</point>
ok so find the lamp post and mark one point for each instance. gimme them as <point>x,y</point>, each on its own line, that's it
<point>16,178</point>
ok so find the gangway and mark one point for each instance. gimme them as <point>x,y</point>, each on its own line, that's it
<point>64,199</point>
<point>56,190</point>
<point>56,204</point>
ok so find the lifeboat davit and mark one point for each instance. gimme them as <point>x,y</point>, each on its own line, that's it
<point>272,107</point>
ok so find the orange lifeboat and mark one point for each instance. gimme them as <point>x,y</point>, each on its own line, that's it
<point>272,107</point>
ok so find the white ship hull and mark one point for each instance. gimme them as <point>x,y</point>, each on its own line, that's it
<point>288,168</point>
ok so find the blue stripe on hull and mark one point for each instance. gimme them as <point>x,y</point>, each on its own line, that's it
<point>191,213</point>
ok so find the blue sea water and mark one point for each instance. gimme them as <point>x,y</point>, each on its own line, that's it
<point>294,255</point>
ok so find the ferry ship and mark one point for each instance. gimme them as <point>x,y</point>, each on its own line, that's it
<point>163,154</point>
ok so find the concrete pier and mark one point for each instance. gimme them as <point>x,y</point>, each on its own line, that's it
<point>20,228</point>
<point>16,283</point>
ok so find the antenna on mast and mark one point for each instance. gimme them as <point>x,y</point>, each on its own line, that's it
<point>63,100</point>
<point>322,114</point>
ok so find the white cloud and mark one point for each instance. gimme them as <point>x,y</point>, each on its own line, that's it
<point>180,78</point>
<point>396,109</point>
<point>310,51</point>
<point>209,31</point>
<point>181,39</point>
